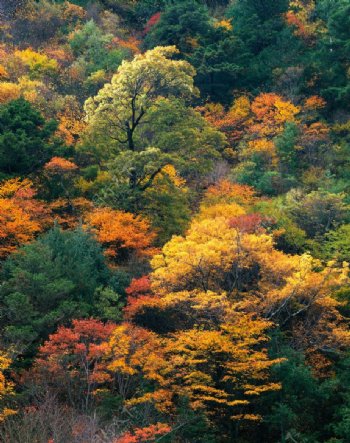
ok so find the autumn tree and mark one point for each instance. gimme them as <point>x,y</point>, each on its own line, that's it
<point>253,130</point>
<point>206,345</point>
<point>194,301</point>
<point>6,386</point>
<point>199,334</point>
<point>303,19</point>
<point>9,91</point>
<point>236,254</point>
<point>37,21</point>
<point>272,143</point>
<point>72,363</point>
<point>58,176</point>
<point>22,216</point>
<point>134,357</point>
<point>147,434</point>
<point>71,123</point>
<point>231,121</point>
<point>195,355</point>
<point>37,64</point>
<point>121,233</point>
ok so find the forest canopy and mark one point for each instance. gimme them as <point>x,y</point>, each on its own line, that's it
<point>174,221</point>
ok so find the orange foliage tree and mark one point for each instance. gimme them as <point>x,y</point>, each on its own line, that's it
<point>147,434</point>
<point>59,175</point>
<point>255,122</point>
<point>58,165</point>
<point>227,192</point>
<point>272,140</point>
<point>121,232</point>
<point>300,17</point>
<point>21,215</point>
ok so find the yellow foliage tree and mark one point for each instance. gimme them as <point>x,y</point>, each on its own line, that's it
<point>3,72</point>
<point>37,63</point>
<point>218,369</point>
<point>6,387</point>
<point>71,122</point>
<point>9,91</point>
<point>237,255</point>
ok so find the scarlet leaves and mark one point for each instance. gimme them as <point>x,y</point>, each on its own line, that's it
<point>73,358</point>
<point>138,292</point>
<point>247,223</point>
<point>152,22</point>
